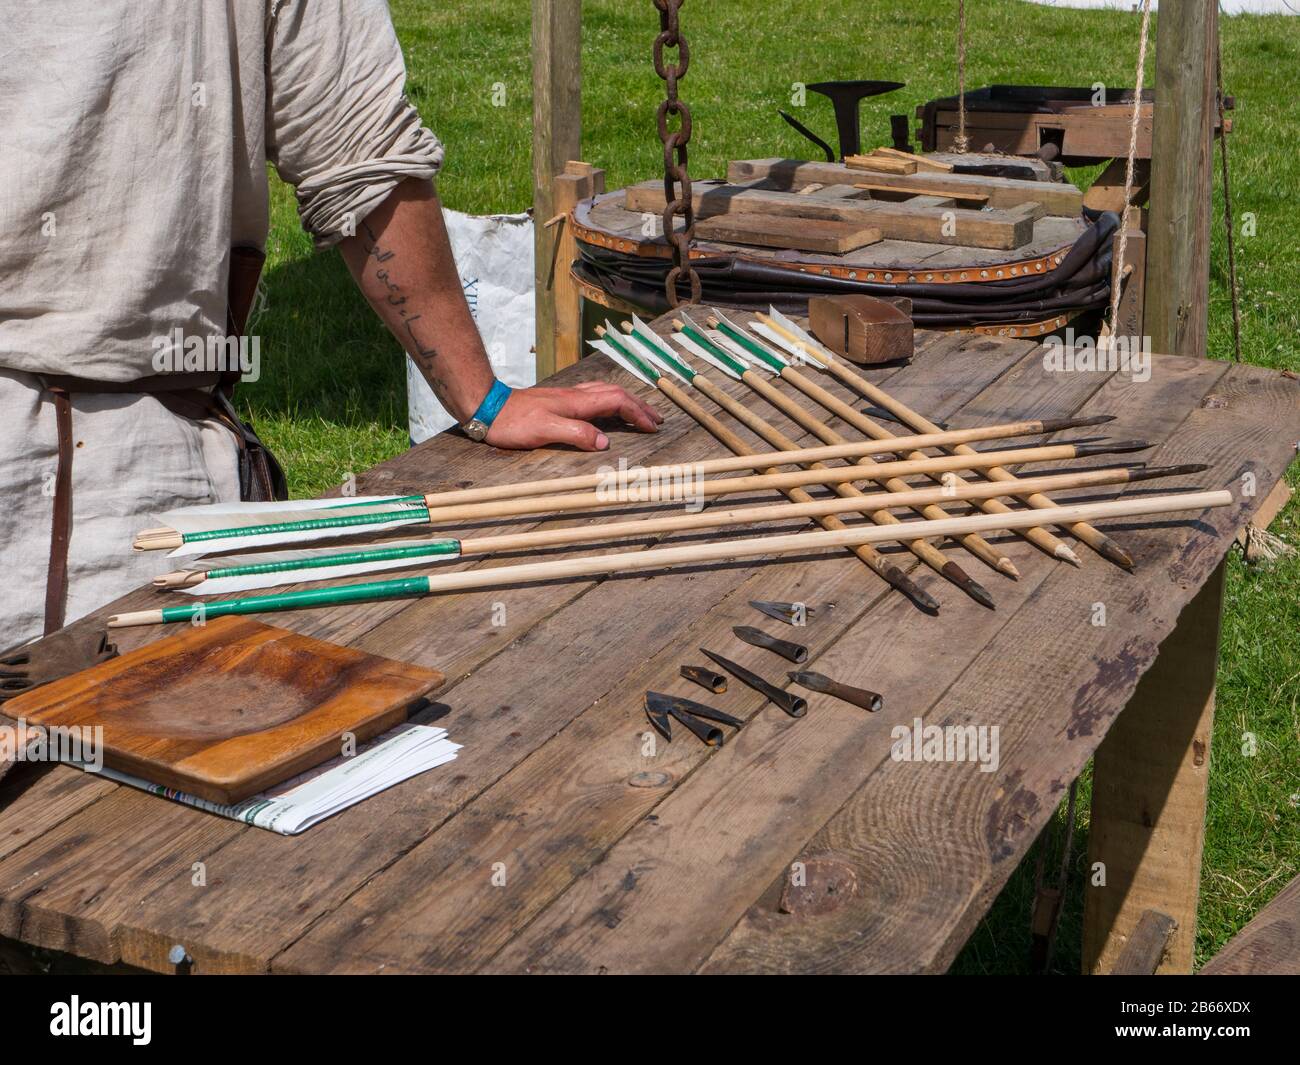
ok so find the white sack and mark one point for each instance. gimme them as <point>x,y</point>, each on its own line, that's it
<point>494,254</point>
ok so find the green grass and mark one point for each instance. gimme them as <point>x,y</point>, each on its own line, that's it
<point>332,398</point>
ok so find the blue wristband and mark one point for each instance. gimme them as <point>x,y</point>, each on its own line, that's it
<point>492,404</point>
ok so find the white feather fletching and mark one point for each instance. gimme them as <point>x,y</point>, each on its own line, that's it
<point>736,351</point>
<point>644,328</point>
<point>617,357</point>
<point>753,359</point>
<point>187,521</point>
<point>789,347</point>
<point>802,334</point>
<point>703,353</point>
<point>651,355</point>
<point>226,585</point>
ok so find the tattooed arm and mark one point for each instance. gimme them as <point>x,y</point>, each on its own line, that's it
<point>402,261</point>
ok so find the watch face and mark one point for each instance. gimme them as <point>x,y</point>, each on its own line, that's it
<point>475,429</point>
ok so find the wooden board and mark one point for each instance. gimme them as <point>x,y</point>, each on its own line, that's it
<point>1057,197</point>
<point>229,708</point>
<point>883,163</point>
<point>1269,945</point>
<point>1004,229</point>
<point>890,192</point>
<point>802,234</point>
<point>564,843</point>
<point>609,224</point>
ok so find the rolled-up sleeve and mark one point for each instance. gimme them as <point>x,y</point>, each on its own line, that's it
<point>339,126</point>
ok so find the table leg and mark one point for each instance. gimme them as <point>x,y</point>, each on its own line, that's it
<point>1150,777</point>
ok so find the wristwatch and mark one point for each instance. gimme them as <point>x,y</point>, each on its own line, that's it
<point>481,421</point>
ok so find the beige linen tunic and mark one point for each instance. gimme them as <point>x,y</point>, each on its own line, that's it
<point>134,139</point>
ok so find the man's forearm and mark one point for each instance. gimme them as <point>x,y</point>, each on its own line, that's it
<point>401,259</point>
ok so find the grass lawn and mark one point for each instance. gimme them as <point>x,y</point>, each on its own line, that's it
<point>332,398</point>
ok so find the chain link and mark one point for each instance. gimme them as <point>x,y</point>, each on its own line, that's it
<point>675,142</point>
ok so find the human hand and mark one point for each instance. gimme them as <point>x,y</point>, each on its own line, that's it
<point>537,416</point>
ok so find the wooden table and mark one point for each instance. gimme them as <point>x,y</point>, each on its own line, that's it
<point>558,842</point>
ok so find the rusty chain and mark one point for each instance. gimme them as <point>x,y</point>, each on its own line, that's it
<point>675,142</point>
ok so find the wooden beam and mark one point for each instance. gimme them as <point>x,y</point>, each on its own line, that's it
<point>1178,240</point>
<point>557,138</point>
<point>1000,229</point>
<point>1146,947</point>
<point>1057,197</point>
<point>580,181</point>
<point>1150,776</point>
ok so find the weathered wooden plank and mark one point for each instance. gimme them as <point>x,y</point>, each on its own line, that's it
<point>802,234</point>
<point>931,849</point>
<point>673,886</point>
<point>671,916</point>
<point>450,922</point>
<point>557,138</point>
<point>1270,944</point>
<point>1057,197</point>
<point>1182,155</point>
<point>1150,778</point>
<point>1006,229</point>
<point>333,857</point>
<point>1146,947</point>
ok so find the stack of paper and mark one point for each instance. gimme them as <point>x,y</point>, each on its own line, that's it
<point>309,798</point>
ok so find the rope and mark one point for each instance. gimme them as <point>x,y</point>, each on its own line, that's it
<point>1128,168</point>
<point>1227,203</point>
<point>961,142</point>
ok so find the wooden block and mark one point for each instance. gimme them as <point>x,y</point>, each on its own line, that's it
<point>800,234</point>
<point>1107,192</point>
<point>1004,230</point>
<point>580,181</point>
<point>892,192</point>
<point>863,329</point>
<point>1057,197</point>
<point>1145,949</point>
<point>922,162</point>
<point>884,163</point>
<point>1269,945</point>
<point>1150,777</point>
<point>230,708</point>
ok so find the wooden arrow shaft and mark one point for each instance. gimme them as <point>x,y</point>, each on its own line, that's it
<point>660,558</point>
<point>733,442</point>
<point>732,463</point>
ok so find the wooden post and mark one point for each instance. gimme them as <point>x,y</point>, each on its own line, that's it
<point>557,138</point>
<point>1150,776</point>
<point>1178,241</point>
<point>1151,773</point>
<point>579,181</point>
